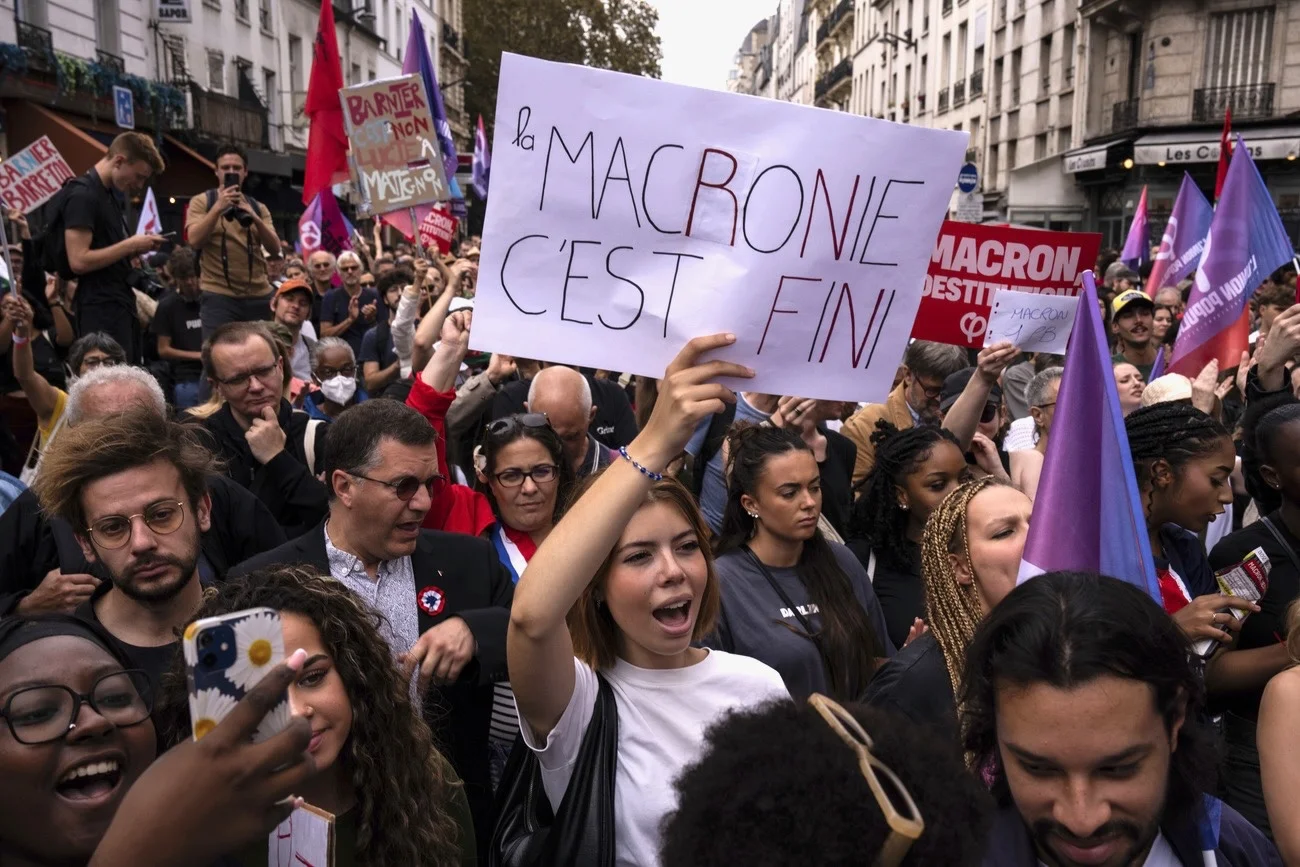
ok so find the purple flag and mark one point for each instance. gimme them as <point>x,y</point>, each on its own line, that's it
<point>1158,368</point>
<point>1137,246</point>
<point>1087,514</point>
<point>323,226</point>
<point>1245,244</point>
<point>1184,238</point>
<point>482,160</point>
<point>418,60</point>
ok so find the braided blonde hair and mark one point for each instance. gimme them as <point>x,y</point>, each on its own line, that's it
<point>952,609</point>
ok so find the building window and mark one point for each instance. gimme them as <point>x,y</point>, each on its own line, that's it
<point>1239,48</point>
<point>108,26</point>
<point>216,71</point>
<point>33,12</point>
<point>295,63</point>
<point>264,19</point>
<point>1040,146</point>
<point>355,77</point>
<point>241,10</point>
<point>1011,154</point>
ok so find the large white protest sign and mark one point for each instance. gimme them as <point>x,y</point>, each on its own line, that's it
<point>1033,322</point>
<point>629,215</point>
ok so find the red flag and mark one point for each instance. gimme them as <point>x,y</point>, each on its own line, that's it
<point>1225,152</point>
<point>327,143</point>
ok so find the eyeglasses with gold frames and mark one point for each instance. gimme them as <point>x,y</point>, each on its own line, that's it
<point>905,825</point>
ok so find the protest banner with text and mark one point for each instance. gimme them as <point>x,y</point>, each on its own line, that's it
<point>29,178</point>
<point>629,215</point>
<point>437,229</point>
<point>395,154</point>
<point>972,263</point>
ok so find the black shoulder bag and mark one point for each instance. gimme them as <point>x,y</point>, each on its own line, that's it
<point>1281,540</point>
<point>581,832</point>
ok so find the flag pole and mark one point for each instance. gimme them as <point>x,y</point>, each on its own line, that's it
<point>415,231</point>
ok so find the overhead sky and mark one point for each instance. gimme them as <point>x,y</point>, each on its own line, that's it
<point>700,37</point>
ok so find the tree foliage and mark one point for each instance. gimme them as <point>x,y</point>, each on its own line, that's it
<point>607,34</point>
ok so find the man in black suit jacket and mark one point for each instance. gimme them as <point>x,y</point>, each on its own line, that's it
<point>445,597</point>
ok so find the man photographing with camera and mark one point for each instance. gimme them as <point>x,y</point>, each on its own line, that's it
<point>228,230</point>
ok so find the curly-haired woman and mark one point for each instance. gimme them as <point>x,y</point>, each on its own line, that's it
<point>395,798</point>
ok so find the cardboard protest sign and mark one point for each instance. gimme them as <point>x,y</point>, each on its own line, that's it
<point>629,215</point>
<point>305,839</point>
<point>971,264</point>
<point>1034,322</point>
<point>395,156</point>
<point>29,178</point>
<point>437,230</point>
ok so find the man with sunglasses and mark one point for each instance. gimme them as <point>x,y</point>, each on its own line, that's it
<point>133,486</point>
<point>445,597</point>
<point>349,310</point>
<point>265,444</point>
<point>1083,706</point>
<point>915,400</point>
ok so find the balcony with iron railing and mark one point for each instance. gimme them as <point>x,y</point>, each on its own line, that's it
<point>1247,101</point>
<point>976,83</point>
<point>959,92</point>
<point>835,76</point>
<point>943,101</point>
<point>226,118</point>
<point>839,16</point>
<point>111,61</point>
<point>452,39</point>
<point>1124,115</point>
<point>38,44</point>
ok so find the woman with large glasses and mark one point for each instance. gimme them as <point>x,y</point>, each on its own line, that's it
<point>521,468</point>
<point>76,736</point>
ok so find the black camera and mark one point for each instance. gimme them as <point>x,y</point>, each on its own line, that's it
<point>240,216</point>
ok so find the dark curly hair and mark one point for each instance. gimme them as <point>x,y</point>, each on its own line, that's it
<point>777,786</point>
<point>877,518</point>
<point>1066,629</point>
<point>847,642</point>
<point>403,784</point>
<point>1176,433</point>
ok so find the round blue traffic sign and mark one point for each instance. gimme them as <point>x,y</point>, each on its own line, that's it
<point>968,178</point>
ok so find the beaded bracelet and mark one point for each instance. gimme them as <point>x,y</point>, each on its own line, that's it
<point>649,474</point>
<point>19,340</point>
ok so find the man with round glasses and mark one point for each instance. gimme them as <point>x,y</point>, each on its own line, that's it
<point>264,444</point>
<point>134,488</point>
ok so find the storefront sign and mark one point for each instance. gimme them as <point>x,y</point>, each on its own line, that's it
<point>174,11</point>
<point>1208,151</point>
<point>1086,161</point>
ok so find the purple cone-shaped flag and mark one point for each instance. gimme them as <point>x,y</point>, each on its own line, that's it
<point>1087,513</point>
<point>1137,246</point>
<point>1184,238</point>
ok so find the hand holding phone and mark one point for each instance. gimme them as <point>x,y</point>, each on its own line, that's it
<point>225,657</point>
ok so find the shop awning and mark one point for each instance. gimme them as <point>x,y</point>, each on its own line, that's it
<point>1202,146</point>
<point>1089,159</point>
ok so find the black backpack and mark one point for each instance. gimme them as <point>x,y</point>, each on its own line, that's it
<point>50,247</point>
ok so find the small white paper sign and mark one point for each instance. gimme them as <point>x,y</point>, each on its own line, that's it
<point>305,839</point>
<point>1033,322</point>
<point>629,215</point>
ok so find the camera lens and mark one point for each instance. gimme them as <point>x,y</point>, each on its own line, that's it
<point>209,660</point>
<point>205,639</point>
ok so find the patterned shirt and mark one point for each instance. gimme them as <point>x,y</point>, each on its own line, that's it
<point>391,593</point>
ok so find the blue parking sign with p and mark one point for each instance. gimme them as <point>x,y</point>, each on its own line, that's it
<point>124,107</point>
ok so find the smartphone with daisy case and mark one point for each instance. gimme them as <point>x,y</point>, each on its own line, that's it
<point>225,657</point>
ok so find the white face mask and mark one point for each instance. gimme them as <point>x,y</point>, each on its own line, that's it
<point>339,389</point>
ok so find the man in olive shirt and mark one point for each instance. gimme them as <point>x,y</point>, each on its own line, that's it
<point>230,231</point>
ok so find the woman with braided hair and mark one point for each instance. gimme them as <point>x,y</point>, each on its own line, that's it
<point>970,558</point>
<point>790,598</point>
<point>914,470</point>
<point>1184,460</point>
<point>395,798</point>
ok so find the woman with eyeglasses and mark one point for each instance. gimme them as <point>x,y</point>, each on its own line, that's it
<point>521,467</point>
<point>334,380</point>
<point>76,735</point>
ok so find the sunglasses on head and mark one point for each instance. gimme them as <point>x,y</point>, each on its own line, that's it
<point>511,423</point>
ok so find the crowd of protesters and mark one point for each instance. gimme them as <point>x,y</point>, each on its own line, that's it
<point>677,624</point>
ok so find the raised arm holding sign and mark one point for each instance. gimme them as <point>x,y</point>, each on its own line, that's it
<point>628,215</point>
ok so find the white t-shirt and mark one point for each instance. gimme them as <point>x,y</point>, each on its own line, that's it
<point>662,716</point>
<point>301,362</point>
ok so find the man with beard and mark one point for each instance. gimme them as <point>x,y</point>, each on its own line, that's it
<point>134,487</point>
<point>1081,704</point>
<point>1132,319</point>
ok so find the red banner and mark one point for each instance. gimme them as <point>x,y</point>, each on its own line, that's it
<point>438,229</point>
<point>971,262</point>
